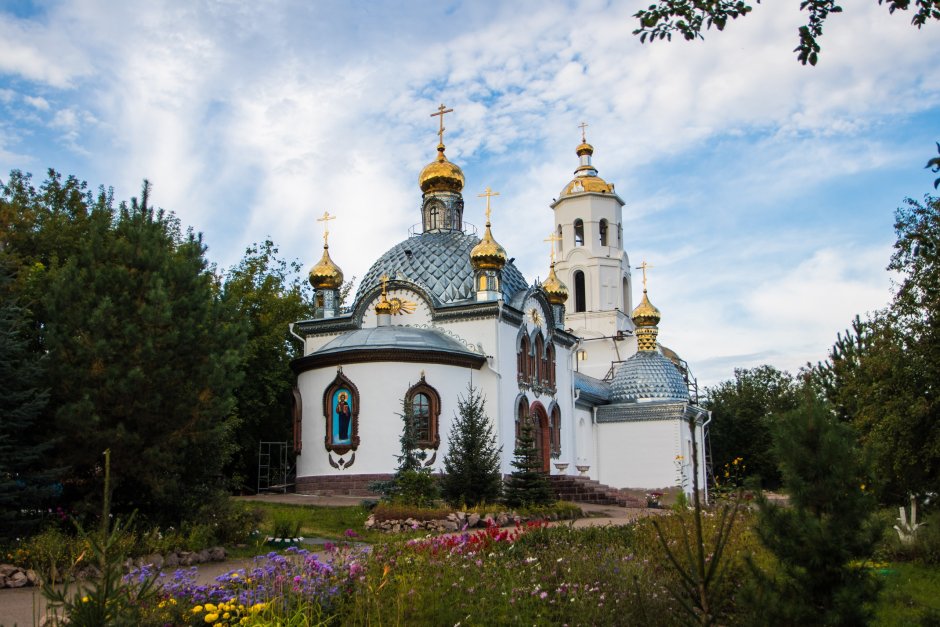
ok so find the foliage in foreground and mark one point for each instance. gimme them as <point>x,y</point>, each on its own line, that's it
<point>688,18</point>
<point>823,539</point>
<point>527,485</point>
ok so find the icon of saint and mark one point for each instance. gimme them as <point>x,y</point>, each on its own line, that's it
<point>343,417</point>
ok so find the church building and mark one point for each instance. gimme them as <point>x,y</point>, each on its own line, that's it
<point>446,308</point>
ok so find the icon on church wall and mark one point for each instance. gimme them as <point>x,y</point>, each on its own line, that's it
<point>342,416</point>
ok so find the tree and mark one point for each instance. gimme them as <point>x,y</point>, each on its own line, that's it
<point>824,532</point>
<point>471,465</point>
<point>527,485</point>
<point>144,360</point>
<point>266,294</point>
<point>25,474</point>
<point>688,17</point>
<point>743,411</point>
<point>881,375</point>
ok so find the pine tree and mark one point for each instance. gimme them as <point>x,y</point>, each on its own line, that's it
<point>412,483</point>
<point>144,357</point>
<point>472,461</point>
<point>527,485</point>
<point>823,533</point>
<point>25,475</point>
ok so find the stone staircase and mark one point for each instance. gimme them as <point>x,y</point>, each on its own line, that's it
<point>584,490</point>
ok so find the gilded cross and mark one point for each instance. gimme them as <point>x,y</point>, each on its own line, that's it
<point>582,126</point>
<point>553,237</point>
<point>489,194</point>
<point>644,266</point>
<point>326,225</point>
<point>441,110</point>
<point>384,280</point>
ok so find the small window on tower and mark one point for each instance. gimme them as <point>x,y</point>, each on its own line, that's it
<point>579,232</point>
<point>603,227</point>
<point>580,302</point>
<point>559,238</point>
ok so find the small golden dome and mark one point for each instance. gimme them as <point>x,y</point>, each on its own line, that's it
<point>383,307</point>
<point>441,175</point>
<point>645,314</point>
<point>555,290</point>
<point>587,184</point>
<point>326,275</point>
<point>488,254</point>
<point>584,148</point>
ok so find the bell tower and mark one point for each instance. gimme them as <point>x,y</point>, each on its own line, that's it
<point>593,265</point>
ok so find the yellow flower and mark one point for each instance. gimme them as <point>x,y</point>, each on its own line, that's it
<point>210,607</point>
<point>226,616</point>
<point>211,618</point>
<point>85,599</point>
<point>243,621</point>
<point>197,609</point>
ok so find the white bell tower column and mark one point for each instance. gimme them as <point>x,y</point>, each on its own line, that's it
<point>594,266</point>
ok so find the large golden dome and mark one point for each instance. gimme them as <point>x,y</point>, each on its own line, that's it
<point>555,290</point>
<point>488,254</point>
<point>441,175</point>
<point>326,275</point>
<point>645,314</point>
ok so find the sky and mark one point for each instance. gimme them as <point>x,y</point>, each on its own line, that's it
<point>763,192</point>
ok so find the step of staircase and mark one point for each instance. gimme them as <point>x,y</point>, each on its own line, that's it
<point>584,490</point>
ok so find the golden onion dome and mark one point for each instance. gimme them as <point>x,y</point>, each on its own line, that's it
<point>645,314</point>
<point>555,290</point>
<point>584,148</point>
<point>326,275</point>
<point>441,175</point>
<point>488,254</point>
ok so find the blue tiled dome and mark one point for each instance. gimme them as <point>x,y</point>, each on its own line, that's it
<point>648,376</point>
<point>440,262</point>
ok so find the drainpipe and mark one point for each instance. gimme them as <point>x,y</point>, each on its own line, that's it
<point>704,445</point>
<point>290,327</point>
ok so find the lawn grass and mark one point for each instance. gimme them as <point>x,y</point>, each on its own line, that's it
<point>319,521</point>
<point>911,595</point>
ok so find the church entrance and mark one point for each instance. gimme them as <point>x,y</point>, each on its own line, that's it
<point>541,434</point>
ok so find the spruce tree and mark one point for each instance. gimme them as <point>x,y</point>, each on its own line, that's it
<point>412,483</point>
<point>527,485</point>
<point>25,475</point>
<point>822,535</point>
<point>472,461</point>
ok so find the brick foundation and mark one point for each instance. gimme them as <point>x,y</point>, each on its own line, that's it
<point>353,485</point>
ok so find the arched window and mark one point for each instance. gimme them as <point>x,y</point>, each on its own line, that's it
<point>559,239</point>
<point>580,302</point>
<point>626,295</point>
<point>425,410</point>
<point>434,217</point>
<point>579,232</point>
<point>556,431</point>
<point>523,359</point>
<point>550,365</point>
<point>603,227</point>
<point>538,359</point>
<point>522,415</point>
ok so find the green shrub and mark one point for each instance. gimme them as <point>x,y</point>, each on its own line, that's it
<point>287,523</point>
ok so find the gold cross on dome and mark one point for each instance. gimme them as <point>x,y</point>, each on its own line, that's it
<point>582,126</point>
<point>384,280</point>
<point>644,266</point>
<point>326,225</point>
<point>553,237</point>
<point>441,110</point>
<point>489,194</point>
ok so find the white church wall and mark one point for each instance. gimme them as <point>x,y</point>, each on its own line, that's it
<point>584,446</point>
<point>381,385</point>
<point>639,454</point>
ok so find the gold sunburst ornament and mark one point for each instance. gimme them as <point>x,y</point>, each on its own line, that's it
<point>402,306</point>
<point>535,316</point>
